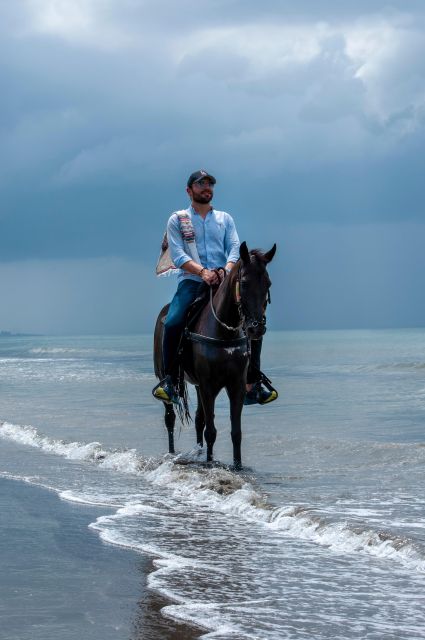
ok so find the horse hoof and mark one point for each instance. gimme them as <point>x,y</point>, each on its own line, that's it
<point>237,466</point>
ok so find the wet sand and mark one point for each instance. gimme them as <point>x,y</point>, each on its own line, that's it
<point>59,580</point>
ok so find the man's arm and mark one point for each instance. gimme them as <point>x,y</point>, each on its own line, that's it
<point>210,277</point>
<point>229,266</point>
<point>179,256</point>
<point>231,242</point>
<point>175,242</point>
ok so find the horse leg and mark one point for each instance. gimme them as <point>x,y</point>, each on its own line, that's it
<point>236,397</point>
<point>199,420</point>
<point>208,401</point>
<point>170,418</point>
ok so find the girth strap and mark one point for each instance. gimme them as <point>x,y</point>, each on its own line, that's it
<point>233,342</point>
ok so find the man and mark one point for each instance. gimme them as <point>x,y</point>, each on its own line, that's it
<point>215,244</point>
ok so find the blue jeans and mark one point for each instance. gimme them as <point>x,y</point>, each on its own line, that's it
<point>187,292</point>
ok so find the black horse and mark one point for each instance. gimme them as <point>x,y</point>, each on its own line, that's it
<point>216,350</point>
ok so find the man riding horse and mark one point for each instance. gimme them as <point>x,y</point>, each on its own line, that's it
<point>203,244</point>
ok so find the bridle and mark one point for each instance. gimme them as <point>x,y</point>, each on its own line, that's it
<point>245,320</point>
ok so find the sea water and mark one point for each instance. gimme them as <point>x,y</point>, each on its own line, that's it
<point>323,533</point>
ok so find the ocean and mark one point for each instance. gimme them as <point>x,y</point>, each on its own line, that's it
<point>322,536</point>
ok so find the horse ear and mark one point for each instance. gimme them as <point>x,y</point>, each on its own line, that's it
<point>268,257</point>
<point>243,252</point>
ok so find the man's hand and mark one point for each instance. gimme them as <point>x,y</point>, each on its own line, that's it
<point>209,277</point>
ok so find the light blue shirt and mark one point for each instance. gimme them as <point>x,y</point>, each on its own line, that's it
<point>216,239</point>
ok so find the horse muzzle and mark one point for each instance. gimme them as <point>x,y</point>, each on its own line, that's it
<point>255,329</point>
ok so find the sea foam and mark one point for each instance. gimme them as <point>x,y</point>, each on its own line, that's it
<point>222,490</point>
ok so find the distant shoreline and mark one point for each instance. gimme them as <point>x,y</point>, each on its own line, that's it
<point>10,334</point>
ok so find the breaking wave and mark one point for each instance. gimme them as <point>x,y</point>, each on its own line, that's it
<point>218,488</point>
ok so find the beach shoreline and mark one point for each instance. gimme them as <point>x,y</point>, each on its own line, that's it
<point>70,583</point>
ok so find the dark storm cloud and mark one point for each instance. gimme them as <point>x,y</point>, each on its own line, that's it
<point>309,113</point>
<point>99,93</point>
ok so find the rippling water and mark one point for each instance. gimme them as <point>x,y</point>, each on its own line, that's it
<point>321,536</point>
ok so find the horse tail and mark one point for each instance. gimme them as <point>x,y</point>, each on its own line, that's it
<point>183,406</point>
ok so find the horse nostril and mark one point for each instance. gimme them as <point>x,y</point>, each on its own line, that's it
<point>256,330</point>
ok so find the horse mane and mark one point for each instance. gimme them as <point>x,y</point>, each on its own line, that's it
<point>259,254</point>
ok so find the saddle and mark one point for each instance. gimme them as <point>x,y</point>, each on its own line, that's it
<point>196,307</point>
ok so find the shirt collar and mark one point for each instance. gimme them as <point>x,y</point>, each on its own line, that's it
<point>192,210</point>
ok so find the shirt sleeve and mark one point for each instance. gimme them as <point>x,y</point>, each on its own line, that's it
<point>175,242</point>
<point>231,240</point>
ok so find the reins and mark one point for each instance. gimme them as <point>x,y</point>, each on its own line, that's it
<point>220,322</point>
<point>243,317</point>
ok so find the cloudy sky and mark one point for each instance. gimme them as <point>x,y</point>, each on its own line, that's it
<point>311,114</point>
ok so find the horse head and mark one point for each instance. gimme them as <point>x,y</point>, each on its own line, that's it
<point>254,284</point>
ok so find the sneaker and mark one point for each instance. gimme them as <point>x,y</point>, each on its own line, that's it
<point>260,395</point>
<point>166,391</point>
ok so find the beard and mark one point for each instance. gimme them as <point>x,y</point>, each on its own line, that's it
<point>202,198</point>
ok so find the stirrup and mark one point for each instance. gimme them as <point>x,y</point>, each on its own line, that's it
<point>273,395</point>
<point>166,392</point>
<point>258,395</point>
